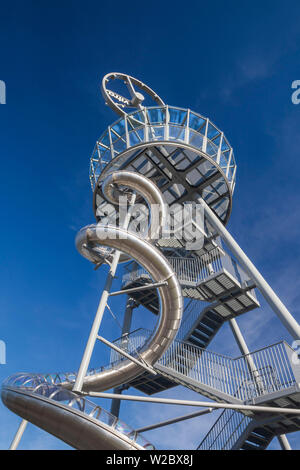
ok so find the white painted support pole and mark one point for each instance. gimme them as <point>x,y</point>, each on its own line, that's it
<point>241,343</point>
<point>279,308</point>
<point>245,351</point>
<point>239,337</point>
<point>154,285</point>
<point>19,434</point>
<point>100,312</point>
<point>205,404</point>
<point>284,443</point>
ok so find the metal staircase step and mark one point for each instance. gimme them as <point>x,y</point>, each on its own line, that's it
<point>197,342</point>
<point>149,384</point>
<point>256,439</point>
<point>200,335</point>
<point>248,446</point>
<point>212,315</point>
<point>210,323</point>
<point>204,329</point>
<point>193,293</point>
<point>262,431</point>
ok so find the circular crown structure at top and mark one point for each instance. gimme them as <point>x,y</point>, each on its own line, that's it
<point>183,152</point>
<point>126,85</point>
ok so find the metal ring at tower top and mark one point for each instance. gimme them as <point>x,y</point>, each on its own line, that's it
<point>136,90</point>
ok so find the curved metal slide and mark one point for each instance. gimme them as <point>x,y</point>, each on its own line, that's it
<point>47,400</point>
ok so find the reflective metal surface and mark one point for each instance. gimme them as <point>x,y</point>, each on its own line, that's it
<point>75,420</point>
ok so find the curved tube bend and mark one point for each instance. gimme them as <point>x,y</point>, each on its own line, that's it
<point>156,203</point>
<point>170,295</point>
<point>99,236</point>
<point>148,189</point>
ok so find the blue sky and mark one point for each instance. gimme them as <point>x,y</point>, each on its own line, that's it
<point>232,61</point>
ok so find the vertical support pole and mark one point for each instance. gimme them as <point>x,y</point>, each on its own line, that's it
<point>166,131</point>
<point>284,443</point>
<point>204,144</point>
<point>126,132</point>
<point>187,128</point>
<point>239,337</point>
<point>130,305</point>
<point>220,148</point>
<point>116,402</point>
<point>245,352</point>
<point>99,314</point>
<point>273,300</point>
<point>18,435</point>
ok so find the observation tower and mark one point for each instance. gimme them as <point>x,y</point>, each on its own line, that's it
<point>163,180</point>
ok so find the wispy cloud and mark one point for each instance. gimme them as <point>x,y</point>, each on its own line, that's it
<point>248,69</point>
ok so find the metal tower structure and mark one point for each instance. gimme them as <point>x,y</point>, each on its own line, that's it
<point>183,266</point>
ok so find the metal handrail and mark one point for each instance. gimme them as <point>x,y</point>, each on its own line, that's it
<point>224,433</point>
<point>232,377</point>
<point>131,343</point>
<point>224,374</point>
<point>162,123</point>
<point>188,270</point>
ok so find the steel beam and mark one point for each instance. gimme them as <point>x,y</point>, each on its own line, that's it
<point>170,401</point>
<point>136,289</point>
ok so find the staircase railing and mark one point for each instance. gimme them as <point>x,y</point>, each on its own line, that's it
<point>225,432</point>
<point>232,376</point>
<point>131,343</point>
<point>196,270</point>
<point>188,270</point>
<point>221,373</point>
<point>193,271</point>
